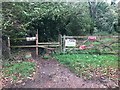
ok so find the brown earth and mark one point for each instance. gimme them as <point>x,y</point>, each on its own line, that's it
<point>51,74</point>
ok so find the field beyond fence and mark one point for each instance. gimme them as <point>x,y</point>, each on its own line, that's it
<point>102,44</point>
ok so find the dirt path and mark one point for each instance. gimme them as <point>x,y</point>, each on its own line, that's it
<point>51,74</point>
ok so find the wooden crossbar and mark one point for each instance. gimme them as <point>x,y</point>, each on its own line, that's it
<point>25,46</point>
<point>18,38</point>
<point>43,46</point>
<point>48,43</point>
<point>87,36</point>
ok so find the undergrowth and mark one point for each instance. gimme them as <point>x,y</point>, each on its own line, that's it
<point>91,66</point>
<point>17,71</point>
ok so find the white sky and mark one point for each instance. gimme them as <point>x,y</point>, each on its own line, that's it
<point>109,1</point>
<point>60,0</point>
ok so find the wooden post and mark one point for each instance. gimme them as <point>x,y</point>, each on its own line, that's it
<point>64,48</point>
<point>9,51</point>
<point>37,44</point>
<point>60,41</point>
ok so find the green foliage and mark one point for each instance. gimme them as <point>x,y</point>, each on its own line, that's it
<point>86,64</point>
<point>106,16</point>
<point>18,70</point>
<point>52,18</point>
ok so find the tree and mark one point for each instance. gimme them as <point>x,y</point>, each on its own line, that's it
<point>52,18</point>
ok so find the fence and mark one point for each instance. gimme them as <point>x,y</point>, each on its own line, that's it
<point>49,46</point>
<point>105,44</point>
<point>28,39</point>
<point>66,43</point>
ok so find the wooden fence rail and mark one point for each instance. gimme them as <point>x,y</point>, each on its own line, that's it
<point>42,46</point>
<point>60,44</point>
<point>85,39</point>
<point>46,45</point>
<point>87,36</point>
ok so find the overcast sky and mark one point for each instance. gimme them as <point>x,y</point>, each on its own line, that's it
<point>109,1</point>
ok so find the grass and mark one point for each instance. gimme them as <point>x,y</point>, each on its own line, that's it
<point>19,70</point>
<point>86,65</point>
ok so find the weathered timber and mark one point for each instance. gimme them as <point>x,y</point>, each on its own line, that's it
<point>87,36</point>
<point>18,38</point>
<point>38,46</point>
<point>9,46</point>
<point>48,43</point>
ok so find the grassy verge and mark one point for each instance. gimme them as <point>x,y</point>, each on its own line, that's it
<point>91,66</point>
<point>17,71</point>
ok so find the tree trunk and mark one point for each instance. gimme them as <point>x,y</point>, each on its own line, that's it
<point>92,8</point>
